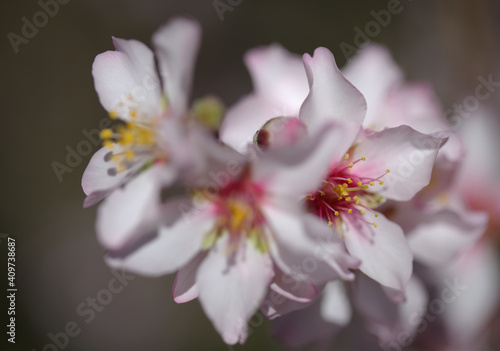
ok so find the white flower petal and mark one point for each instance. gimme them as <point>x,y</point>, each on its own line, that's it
<point>170,250</point>
<point>176,45</point>
<point>406,153</point>
<point>232,287</point>
<point>384,252</point>
<point>99,178</point>
<point>278,76</point>
<point>332,98</point>
<point>185,288</point>
<point>374,73</point>
<point>130,210</point>
<point>335,306</point>
<point>244,119</point>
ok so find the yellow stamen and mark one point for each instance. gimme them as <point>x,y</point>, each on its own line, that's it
<point>113,114</point>
<point>129,155</point>
<point>346,156</point>
<point>106,134</point>
<point>108,143</point>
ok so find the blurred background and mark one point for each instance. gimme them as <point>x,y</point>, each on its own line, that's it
<point>49,105</point>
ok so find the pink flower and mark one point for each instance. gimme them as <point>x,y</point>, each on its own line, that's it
<point>437,222</point>
<point>237,236</point>
<point>149,109</point>
<point>357,179</point>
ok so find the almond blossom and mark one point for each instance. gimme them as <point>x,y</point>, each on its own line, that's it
<point>358,177</point>
<point>234,239</point>
<point>148,111</point>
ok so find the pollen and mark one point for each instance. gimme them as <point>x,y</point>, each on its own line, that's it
<point>375,224</point>
<point>108,143</point>
<point>106,134</point>
<point>346,156</point>
<point>363,158</point>
<point>381,183</point>
<point>349,211</point>
<point>360,183</point>
<point>113,114</point>
<point>129,155</point>
<point>351,165</point>
<point>372,183</point>
<point>133,114</point>
<point>362,212</point>
<point>388,171</point>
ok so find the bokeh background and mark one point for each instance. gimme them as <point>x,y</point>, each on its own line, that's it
<point>48,101</point>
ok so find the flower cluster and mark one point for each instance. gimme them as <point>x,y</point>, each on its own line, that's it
<point>317,184</point>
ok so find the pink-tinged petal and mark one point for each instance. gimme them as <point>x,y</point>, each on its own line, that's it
<point>176,45</point>
<point>479,175</point>
<point>244,119</point>
<point>388,320</point>
<point>171,249</point>
<point>470,288</point>
<point>332,98</point>
<point>384,252</point>
<point>276,305</point>
<point>374,73</point>
<point>332,251</point>
<point>300,291</point>
<point>336,307</point>
<point>114,78</point>
<point>416,105</point>
<point>278,76</point>
<point>408,154</point>
<point>439,237</point>
<point>132,209</point>
<point>298,255</point>
<point>100,177</point>
<point>410,312</point>
<point>124,85</point>
<point>147,91</point>
<point>185,288</point>
<point>300,169</point>
<point>232,287</point>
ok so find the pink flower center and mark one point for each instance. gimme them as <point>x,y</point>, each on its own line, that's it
<point>344,192</point>
<point>237,212</point>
